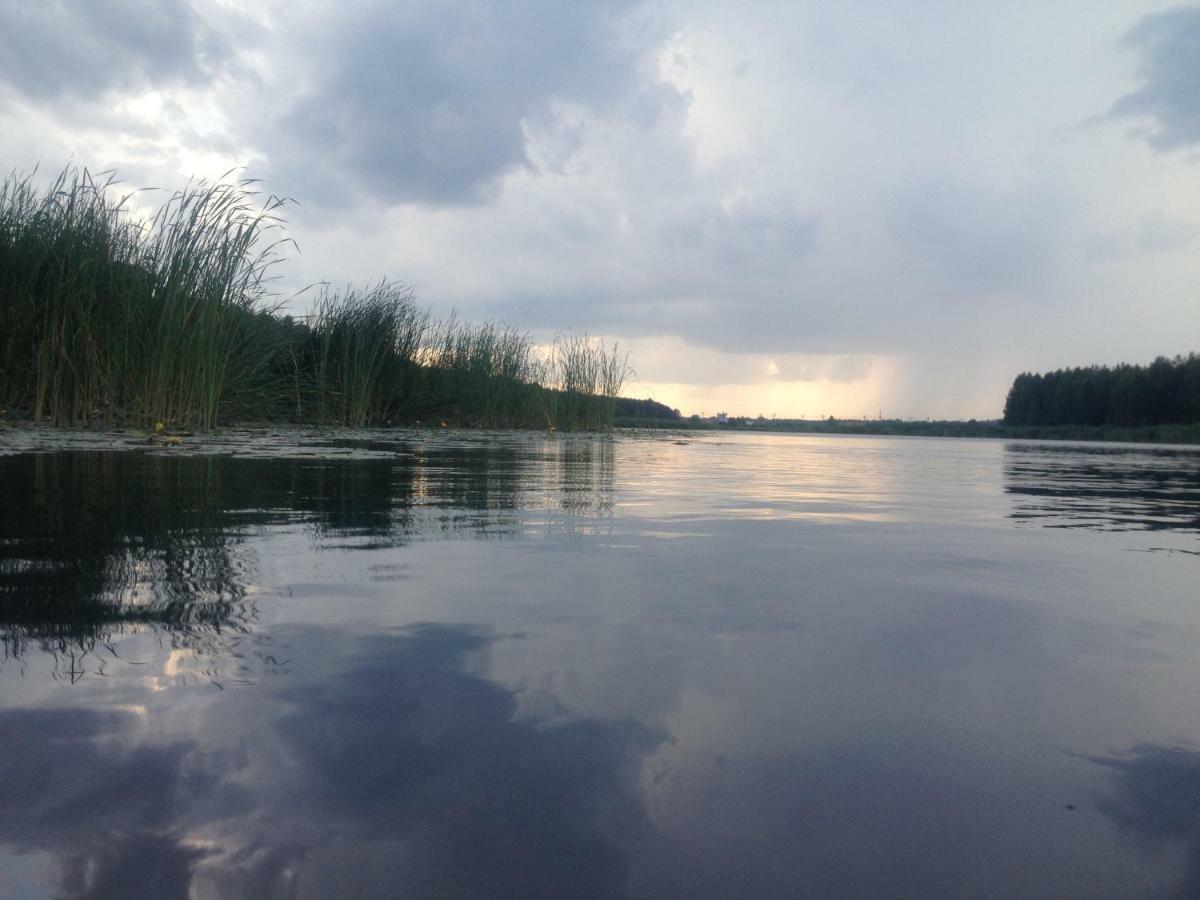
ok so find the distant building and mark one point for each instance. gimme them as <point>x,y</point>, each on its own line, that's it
<point>722,418</point>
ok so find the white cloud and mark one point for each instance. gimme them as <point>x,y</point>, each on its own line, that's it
<point>919,200</point>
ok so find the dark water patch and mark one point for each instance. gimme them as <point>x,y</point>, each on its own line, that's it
<point>95,542</point>
<point>1155,797</point>
<point>392,769</point>
<point>105,807</point>
<point>1104,487</point>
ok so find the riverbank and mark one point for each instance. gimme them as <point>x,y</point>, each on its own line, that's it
<point>1149,434</point>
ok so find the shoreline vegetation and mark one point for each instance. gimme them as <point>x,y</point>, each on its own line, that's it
<point>1166,393</point>
<point>993,428</point>
<point>108,320</point>
<point>1158,403</point>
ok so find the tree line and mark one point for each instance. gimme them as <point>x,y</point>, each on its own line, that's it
<point>628,408</point>
<point>1165,392</point>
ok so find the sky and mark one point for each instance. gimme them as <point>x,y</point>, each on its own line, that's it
<point>789,209</point>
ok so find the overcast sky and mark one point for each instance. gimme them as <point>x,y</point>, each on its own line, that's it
<point>779,208</point>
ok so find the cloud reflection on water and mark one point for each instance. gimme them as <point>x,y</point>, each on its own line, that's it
<point>96,543</point>
<point>1156,797</point>
<point>79,785</point>
<point>393,769</point>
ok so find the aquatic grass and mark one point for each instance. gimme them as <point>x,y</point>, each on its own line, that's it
<point>107,318</point>
<point>484,374</point>
<point>52,248</point>
<point>584,377</point>
<point>110,319</point>
<point>357,365</point>
<point>210,271</point>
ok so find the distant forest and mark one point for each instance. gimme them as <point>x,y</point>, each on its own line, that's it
<point>1165,392</point>
<point>643,409</point>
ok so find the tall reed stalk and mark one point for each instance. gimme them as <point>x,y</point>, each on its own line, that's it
<point>358,365</point>
<point>107,318</point>
<point>585,377</point>
<point>482,374</point>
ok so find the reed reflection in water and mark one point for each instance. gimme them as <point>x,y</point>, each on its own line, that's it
<point>98,543</point>
<point>1104,488</point>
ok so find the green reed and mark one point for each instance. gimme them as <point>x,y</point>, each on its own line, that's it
<point>482,374</point>
<point>585,377</point>
<point>108,318</point>
<point>357,362</point>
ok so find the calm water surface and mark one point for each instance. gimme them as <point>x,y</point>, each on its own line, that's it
<point>406,664</point>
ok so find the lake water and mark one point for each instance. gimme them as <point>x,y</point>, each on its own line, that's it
<point>435,664</point>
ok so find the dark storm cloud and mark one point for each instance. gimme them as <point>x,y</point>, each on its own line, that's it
<point>1157,798</point>
<point>851,368</point>
<point>747,238</point>
<point>55,48</point>
<point>72,785</point>
<point>408,102</point>
<point>1153,232</point>
<point>1168,49</point>
<point>1159,233</point>
<point>983,243</point>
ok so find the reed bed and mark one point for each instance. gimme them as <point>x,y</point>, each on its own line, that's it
<point>356,364</point>
<point>484,374</point>
<point>585,377</point>
<point>109,319</point>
